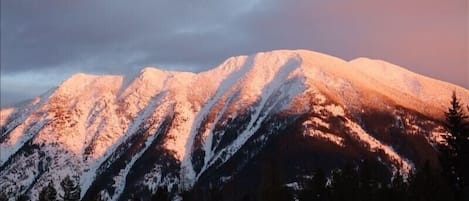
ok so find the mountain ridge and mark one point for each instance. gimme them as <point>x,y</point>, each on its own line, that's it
<point>355,63</point>
<point>103,127</point>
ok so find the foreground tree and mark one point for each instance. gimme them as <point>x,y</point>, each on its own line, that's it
<point>345,184</point>
<point>455,154</point>
<point>48,193</point>
<point>271,184</point>
<point>315,188</point>
<point>71,189</point>
<point>428,184</point>
<point>397,189</point>
<point>23,197</point>
<point>161,194</point>
<point>3,196</point>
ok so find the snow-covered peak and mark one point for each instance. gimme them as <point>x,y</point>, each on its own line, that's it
<point>201,120</point>
<point>80,84</point>
<point>406,87</point>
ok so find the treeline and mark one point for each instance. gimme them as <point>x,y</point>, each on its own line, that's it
<point>351,182</point>
<point>70,187</point>
<point>361,181</point>
<point>358,180</point>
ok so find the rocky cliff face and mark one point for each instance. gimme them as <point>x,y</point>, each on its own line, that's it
<point>123,136</point>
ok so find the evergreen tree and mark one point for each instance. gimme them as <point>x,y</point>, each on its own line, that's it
<point>368,178</point>
<point>246,197</point>
<point>398,189</point>
<point>48,193</point>
<point>161,194</point>
<point>319,185</point>
<point>23,197</point>
<point>214,194</point>
<point>427,184</point>
<point>71,189</point>
<point>188,195</point>
<point>345,184</point>
<point>315,188</point>
<point>3,196</point>
<point>98,197</point>
<point>455,154</point>
<point>456,123</point>
<point>271,187</point>
<point>306,193</point>
<point>372,181</point>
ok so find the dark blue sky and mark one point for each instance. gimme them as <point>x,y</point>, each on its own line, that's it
<point>44,42</point>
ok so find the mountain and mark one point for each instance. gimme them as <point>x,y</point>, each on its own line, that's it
<point>124,136</point>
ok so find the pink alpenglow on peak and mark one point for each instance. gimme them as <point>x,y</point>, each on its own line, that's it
<point>186,125</point>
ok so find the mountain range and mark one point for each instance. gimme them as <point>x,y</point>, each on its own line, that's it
<point>120,136</point>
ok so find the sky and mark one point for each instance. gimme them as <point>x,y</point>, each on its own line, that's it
<point>44,42</point>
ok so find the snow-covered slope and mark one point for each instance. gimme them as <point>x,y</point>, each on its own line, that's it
<point>180,126</point>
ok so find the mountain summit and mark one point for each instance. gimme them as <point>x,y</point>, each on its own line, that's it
<point>122,136</point>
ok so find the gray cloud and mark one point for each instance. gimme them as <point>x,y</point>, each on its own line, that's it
<point>119,37</point>
<point>50,33</point>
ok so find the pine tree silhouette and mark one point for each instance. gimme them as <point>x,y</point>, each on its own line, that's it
<point>455,154</point>
<point>427,184</point>
<point>345,184</point>
<point>3,196</point>
<point>161,194</point>
<point>23,197</point>
<point>48,193</point>
<point>271,185</point>
<point>71,189</point>
<point>398,189</point>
